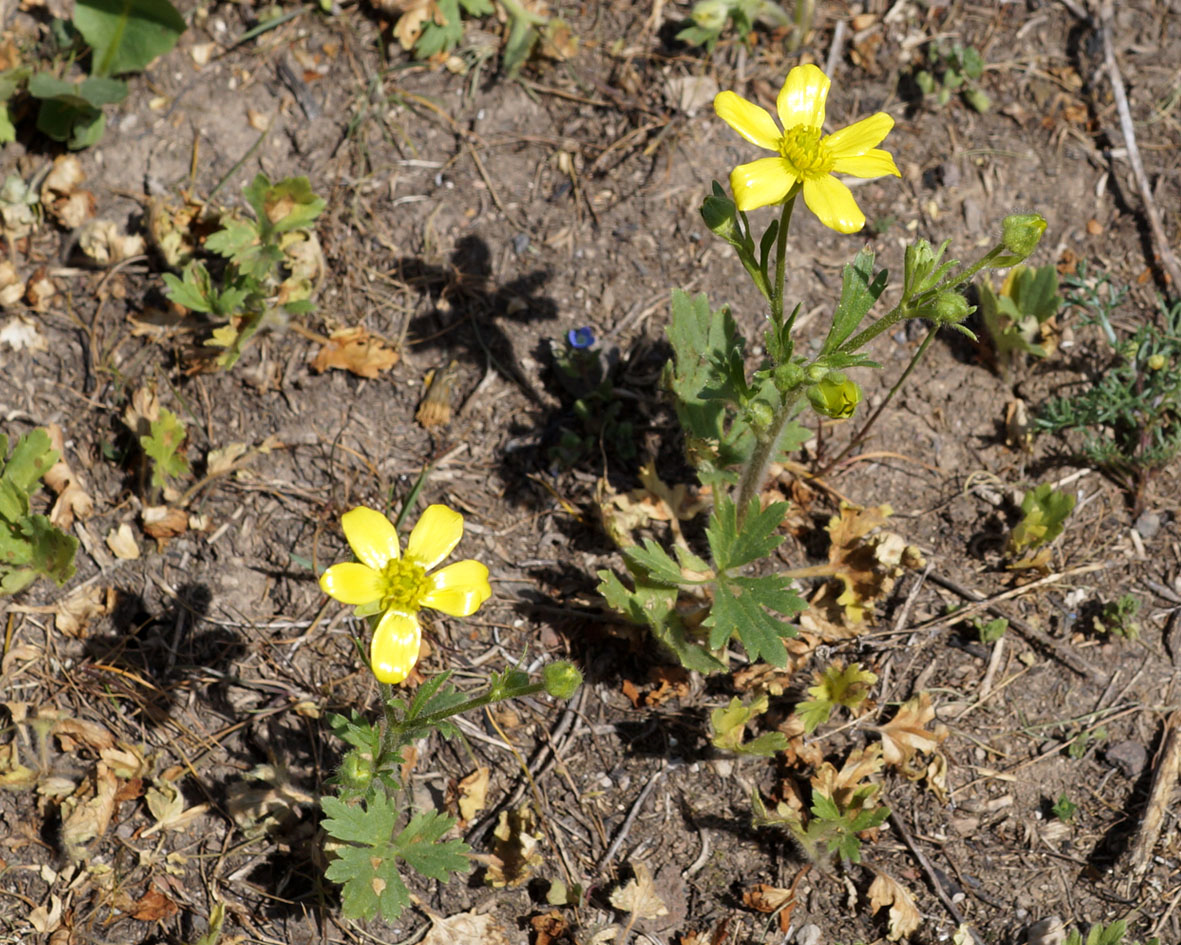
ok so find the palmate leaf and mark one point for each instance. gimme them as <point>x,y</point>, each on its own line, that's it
<point>368,867</point>
<point>731,547</point>
<point>162,447</point>
<point>739,609</point>
<point>860,289</point>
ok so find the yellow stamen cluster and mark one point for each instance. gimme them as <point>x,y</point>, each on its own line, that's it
<point>804,150</point>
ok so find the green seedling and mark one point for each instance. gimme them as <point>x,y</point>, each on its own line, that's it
<point>952,70</point>
<point>1129,412</point>
<point>1078,747</point>
<point>1044,512</point>
<point>729,726</point>
<point>273,264</point>
<point>163,446</point>
<point>838,813</point>
<point>30,545</point>
<point>837,685</point>
<point>1106,935</point>
<point>1118,617</point>
<point>602,429</point>
<point>709,19</point>
<point>992,630</point>
<point>1064,808</point>
<point>122,36</point>
<point>1018,320</point>
<point>442,31</point>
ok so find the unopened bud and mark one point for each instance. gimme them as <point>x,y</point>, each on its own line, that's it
<point>721,216</point>
<point>561,679</point>
<point>1156,362</point>
<point>711,14</point>
<point>836,396</point>
<point>949,308</point>
<point>1021,232</point>
<point>760,414</point>
<point>788,377</point>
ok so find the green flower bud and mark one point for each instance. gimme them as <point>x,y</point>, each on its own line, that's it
<point>1022,232</point>
<point>760,413</point>
<point>788,377</point>
<point>711,14</point>
<point>561,679</point>
<point>1156,362</point>
<point>949,308</point>
<point>721,216</point>
<point>1129,349</point>
<point>836,396</point>
<point>816,373</point>
<point>356,771</point>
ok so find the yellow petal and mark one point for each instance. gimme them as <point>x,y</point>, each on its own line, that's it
<point>394,648</point>
<point>351,583</point>
<point>371,536</point>
<point>873,163</point>
<point>860,136</point>
<point>435,535</point>
<point>750,121</point>
<point>458,589</point>
<point>801,100</point>
<point>761,183</point>
<point>833,203</point>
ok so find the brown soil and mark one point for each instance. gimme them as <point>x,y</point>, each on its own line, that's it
<point>474,220</point>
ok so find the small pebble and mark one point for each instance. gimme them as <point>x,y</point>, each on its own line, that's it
<point>520,243</point>
<point>1148,524</point>
<point>1130,757</point>
<point>808,935</point>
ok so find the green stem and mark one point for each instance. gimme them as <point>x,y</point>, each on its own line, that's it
<point>781,256</point>
<point>766,450</point>
<point>861,434</point>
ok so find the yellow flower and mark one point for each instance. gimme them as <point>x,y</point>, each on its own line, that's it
<point>807,156</point>
<point>383,580</point>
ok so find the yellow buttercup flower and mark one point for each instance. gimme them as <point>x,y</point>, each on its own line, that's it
<point>384,581</point>
<point>807,157</point>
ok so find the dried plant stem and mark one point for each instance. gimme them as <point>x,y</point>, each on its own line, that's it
<point>1160,241</point>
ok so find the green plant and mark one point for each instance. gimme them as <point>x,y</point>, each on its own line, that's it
<point>1044,512</point>
<point>992,630</point>
<point>440,30</point>
<point>163,445</point>
<point>122,36</point>
<point>952,69</point>
<point>1118,617</point>
<point>585,379</point>
<point>273,264</point>
<point>1105,935</point>
<point>1017,320</point>
<point>709,19</point>
<point>837,685</point>
<point>368,850</point>
<point>729,725</point>
<point>30,545</point>
<point>740,418</point>
<point>1064,808</point>
<point>1130,411</point>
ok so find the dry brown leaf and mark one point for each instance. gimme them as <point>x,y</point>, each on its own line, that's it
<point>857,771</point>
<point>638,896</point>
<point>763,897</point>
<point>20,333</point>
<point>355,350</point>
<point>72,499</point>
<point>125,761</point>
<point>122,543</point>
<point>434,410</point>
<point>222,460</point>
<point>167,806</point>
<point>62,196</point>
<point>549,928</point>
<point>163,522</point>
<point>154,906</point>
<point>142,411</point>
<point>516,849</point>
<point>88,820</point>
<point>465,928</point>
<point>47,918</point>
<point>904,917</point>
<point>415,14</point>
<point>104,243</point>
<point>473,792</point>
<point>906,734</point>
<point>40,290</point>
<point>72,732</point>
<point>12,287</point>
<point>15,776</point>
<point>73,615</point>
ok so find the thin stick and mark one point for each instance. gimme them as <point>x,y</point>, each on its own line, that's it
<point>1159,239</point>
<point>632,814</point>
<point>1062,653</point>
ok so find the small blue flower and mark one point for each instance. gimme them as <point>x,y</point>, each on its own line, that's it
<point>580,337</point>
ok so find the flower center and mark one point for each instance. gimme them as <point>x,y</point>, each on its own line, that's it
<point>802,148</point>
<point>403,583</point>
